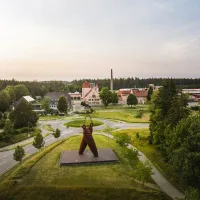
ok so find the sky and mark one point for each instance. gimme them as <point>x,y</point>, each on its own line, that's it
<point>76,39</point>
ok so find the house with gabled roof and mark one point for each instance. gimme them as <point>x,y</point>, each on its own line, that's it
<point>90,93</point>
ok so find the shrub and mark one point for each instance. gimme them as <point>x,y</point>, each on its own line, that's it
<point>195,108</point>
<point>131,154</point>
<point>139,114</point>
<point>122,139</point>
<point>137,135</point>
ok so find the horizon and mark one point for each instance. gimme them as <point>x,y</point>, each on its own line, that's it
<point>67,40</point>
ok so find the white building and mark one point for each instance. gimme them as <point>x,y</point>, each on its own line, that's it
<point>90,93</point>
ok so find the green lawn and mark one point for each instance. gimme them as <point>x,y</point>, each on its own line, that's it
<point>152,153</point>
<point>48,127</point>
<point>79,123</point>
<point>127,115</point>
<point>19,137</point>
<point>40,177</point>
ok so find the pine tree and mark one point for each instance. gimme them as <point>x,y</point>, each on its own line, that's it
<point>150,92</point>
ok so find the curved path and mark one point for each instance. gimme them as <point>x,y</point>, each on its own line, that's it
<point>7,162</point>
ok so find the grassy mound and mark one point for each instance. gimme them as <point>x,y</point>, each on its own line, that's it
<point>41,177</point>
<point>79,123</point>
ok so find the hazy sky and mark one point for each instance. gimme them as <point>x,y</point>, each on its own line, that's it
<point>67,39</point>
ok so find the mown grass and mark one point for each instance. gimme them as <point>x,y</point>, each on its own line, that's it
<point>19,137</point>
<point>79,123</point>
<point>123,115</point>
<point>154,155</point>
<point>48,127</point>
<point>41,177</point>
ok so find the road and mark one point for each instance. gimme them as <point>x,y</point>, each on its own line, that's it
<point>6,157</point>
<point>7,162</point>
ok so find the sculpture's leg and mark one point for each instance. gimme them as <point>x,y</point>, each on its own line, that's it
<point>82,146</point>
<point>90,141</point>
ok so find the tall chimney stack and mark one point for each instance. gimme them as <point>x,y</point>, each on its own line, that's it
<point>111,81</point>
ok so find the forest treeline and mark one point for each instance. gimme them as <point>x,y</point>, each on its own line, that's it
<point>41,88</point>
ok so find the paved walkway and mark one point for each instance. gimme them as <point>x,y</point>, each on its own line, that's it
<point>159,179</point>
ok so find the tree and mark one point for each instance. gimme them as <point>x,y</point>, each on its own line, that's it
<point>19,153</point>
<point>20,91</point>
<point>150,92</point>
<point>191,194</point>
<point>57,133</point>
<point>122,139</point>
<point>45,104</point>
<point>4,101</point>
<point>23,115</point>
<point>62,104</point>
<point>144,172</point>
<point>8,128</point>
<point>38,141</point>
<point>106,96</point>
<point>161,103</point>
<point>114,98</point>
<point>11,93</point>
<point>132,100</point>
<point>184,149</point>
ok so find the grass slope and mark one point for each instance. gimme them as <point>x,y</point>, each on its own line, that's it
<point>152,153</point>
<point>42,178</point>
<point>79,123</point>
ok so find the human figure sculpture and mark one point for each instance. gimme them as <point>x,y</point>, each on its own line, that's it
<point>88,140</point>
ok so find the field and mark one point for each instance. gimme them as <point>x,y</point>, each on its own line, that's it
<point>79,123</point>
<point>41,178</point>
<point>127,114</point>
<point>140,141</point>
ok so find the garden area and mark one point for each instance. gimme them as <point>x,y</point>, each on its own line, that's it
<point>41,177</point>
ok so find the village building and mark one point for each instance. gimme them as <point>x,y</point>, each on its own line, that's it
<point>54,97</point>
<point>141,95</point>
<point>90,93</point>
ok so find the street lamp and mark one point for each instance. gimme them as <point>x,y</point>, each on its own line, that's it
<point>28,130</point>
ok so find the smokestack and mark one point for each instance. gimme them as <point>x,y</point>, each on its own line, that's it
<point>111,81</point>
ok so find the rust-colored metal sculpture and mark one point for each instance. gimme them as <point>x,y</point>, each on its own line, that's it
<point>88,140</point>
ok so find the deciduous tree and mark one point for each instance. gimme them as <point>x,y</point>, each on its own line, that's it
<point>20,91</point>
<point>106,96</point>
<point>115,98</point>
<point>62,104</point>
<point>57,133</point>
<point>19,153</point>
<point>38,141</point>
<point>4,101</point>
<point>45,104</point>
<point>144,172</point>
<point>132,100</point>
<point>23,114</point>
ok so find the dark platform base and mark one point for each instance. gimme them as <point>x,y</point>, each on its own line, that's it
<point>72,157</point>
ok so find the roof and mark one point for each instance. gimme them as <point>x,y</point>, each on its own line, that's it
<point>137,93</point>
<point>86,85</point>
<point>140,93</point>
<point>28,98</point>
<point>54,96</point>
